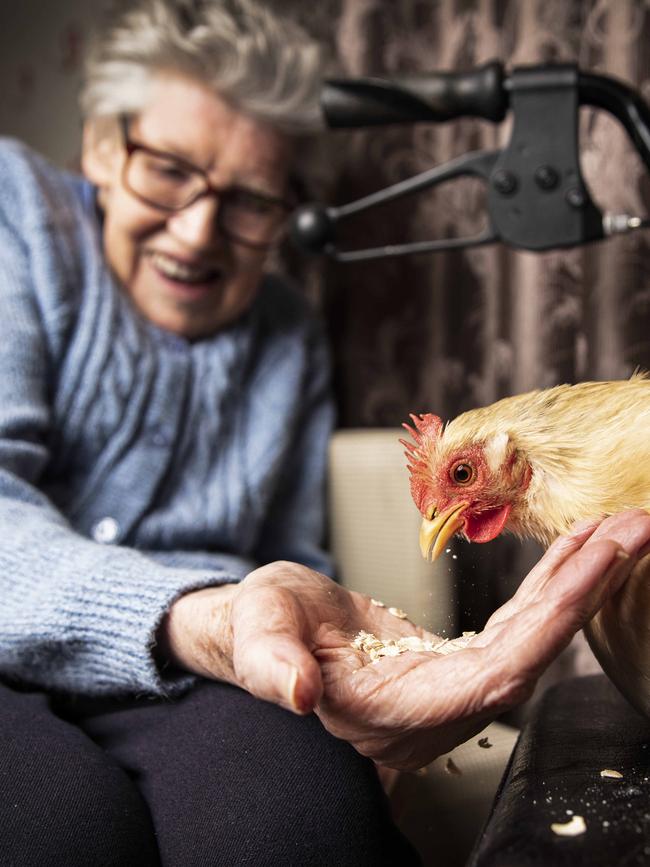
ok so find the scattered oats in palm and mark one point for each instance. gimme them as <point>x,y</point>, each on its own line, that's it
<point>575,826</point>
<point>378,603</point>
<point>376,648</point>
<point>452,768</point>
<point>614,775</point>
<point>397,612</point>
<point>485,743</point>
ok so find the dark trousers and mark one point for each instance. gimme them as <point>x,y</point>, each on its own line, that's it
<point>216,777</point>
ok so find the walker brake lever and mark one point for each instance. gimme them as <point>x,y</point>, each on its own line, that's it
<point>314,226</point>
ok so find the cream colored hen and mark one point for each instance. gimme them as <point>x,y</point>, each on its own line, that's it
<point>534,464</point>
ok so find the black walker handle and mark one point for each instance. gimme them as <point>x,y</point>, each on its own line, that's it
<point>432,97</point>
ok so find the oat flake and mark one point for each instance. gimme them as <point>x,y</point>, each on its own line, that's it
<point>573,828</point>
<point>614,775</point>
<point>452,768</point>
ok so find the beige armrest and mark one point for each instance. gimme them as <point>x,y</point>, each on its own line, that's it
<point>442,809</point>
<point>374,529</point>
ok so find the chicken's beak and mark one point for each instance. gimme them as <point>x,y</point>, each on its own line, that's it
<point>437,530</point>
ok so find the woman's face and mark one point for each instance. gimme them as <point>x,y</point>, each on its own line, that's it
<point>178,269</point>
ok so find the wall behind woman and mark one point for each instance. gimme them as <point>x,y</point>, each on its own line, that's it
<point>40,66</point>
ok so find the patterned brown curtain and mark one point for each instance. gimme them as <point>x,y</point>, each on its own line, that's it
<point>454,330</point>
<point>451,331</point>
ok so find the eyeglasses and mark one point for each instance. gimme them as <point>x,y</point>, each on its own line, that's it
<point>169,183</point>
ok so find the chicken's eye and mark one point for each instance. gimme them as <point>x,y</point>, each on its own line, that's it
<point>462,473</point>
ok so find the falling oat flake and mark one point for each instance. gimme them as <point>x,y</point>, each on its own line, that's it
<point>614,775</point>
<point>397,612</point>
<point>452,768</point>
<point>573,828</point>
<point>378,603</point>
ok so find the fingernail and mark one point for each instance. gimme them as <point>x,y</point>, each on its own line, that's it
<point>297,701</point>
<point>618,571</point>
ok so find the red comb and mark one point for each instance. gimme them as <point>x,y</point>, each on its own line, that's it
<point>427,426</point>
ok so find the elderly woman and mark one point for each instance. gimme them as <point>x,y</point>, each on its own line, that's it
<point>163,420</point>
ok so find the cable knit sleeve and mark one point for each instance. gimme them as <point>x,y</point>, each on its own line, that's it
<point>75,615</point>
<point>295,525</point>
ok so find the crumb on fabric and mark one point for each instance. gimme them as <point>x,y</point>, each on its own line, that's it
<point>452,768</point>
<point>575,826</point>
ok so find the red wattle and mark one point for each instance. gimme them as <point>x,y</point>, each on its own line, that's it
<point>485,526</point>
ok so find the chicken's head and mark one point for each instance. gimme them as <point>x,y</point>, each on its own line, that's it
<point>469,487</point>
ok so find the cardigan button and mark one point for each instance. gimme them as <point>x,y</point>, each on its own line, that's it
<point>106,531</point>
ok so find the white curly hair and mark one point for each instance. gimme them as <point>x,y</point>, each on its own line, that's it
<point>264,64</point>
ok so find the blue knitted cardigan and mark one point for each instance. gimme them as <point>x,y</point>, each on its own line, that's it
<point>134,465</point>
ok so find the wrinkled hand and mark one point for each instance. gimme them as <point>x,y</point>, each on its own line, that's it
<point>404,711</point>
<point>285,634</point>
<point>265,633</point>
